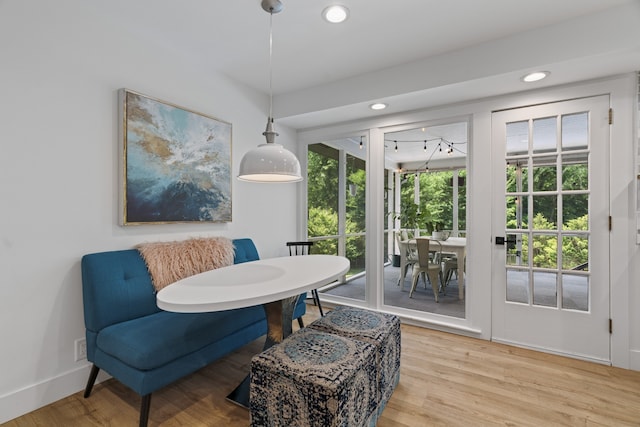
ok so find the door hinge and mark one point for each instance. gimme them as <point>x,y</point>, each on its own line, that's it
<point>610,116</point>
<point>610,223</point>
<point>610,326</point>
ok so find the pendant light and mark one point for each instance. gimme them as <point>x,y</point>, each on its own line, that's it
<point>270,162</point>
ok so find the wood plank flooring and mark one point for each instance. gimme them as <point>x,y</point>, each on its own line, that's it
<point>446,380</point>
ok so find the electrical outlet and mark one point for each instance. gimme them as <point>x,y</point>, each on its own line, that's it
<point>80,349</point>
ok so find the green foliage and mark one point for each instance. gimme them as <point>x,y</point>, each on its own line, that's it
<point>575,248</point>
<point>356,209</point>
<point>322,222</point>
<point>322,182</point>
<point>323,194</point>
<point>545,247</point>
<point>436,197</point>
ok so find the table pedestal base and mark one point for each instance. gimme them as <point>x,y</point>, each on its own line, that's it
<point>279,316</point>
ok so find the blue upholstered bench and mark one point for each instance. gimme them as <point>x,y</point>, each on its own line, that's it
<point>144,347</point>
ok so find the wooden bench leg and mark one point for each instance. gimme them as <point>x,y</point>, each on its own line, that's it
<point>91,381</point>
<point>144,410</point>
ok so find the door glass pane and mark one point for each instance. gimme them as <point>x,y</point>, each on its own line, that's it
<point>575,252</point>
<point>545,174</point>
<point>545,212</point>
<point>517,212</point>
<point>575,173</point>
<point>545,289</point>
<point>545,250</point>
<point>517,249</point>
<point>575,131</point>
<point>517,177</point>
<point>544,135</point>
<point>518,286</point>
<point>575,292</point>
<point>517,138</point>
<point>575,212</point>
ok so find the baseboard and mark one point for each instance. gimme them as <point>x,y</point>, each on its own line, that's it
<point>30,398</point>
<point>551,351</point>
<point>634,360</point>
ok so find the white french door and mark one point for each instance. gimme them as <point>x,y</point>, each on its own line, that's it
<point>551,228</point>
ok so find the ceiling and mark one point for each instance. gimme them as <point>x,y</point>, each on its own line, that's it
<point>410,54</point>
<point>434,147</point>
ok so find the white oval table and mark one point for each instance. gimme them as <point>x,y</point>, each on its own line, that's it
<point>275,283</point>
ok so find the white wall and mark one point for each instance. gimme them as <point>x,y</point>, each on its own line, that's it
<point>61,66</point>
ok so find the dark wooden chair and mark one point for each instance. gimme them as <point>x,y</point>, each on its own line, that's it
<point>303,248</point>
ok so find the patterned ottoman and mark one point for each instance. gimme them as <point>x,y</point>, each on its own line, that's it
<point>381,330</point>
<point>314,379</point>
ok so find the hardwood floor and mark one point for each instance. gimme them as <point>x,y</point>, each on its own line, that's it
<point>446,380</point>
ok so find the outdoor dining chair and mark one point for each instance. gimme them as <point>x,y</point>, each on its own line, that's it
<point>433,270</point>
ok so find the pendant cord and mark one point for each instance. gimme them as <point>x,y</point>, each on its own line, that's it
<point>271,64</point>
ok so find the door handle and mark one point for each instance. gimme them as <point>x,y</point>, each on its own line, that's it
<point>510,241</point>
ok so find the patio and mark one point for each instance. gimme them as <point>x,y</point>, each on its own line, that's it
<point>398,296</point>
<point>575,293</point>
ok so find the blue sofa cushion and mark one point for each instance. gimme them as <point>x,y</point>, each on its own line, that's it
<point>116,287</point>
<point>153,341</point>
<point>245,251</point>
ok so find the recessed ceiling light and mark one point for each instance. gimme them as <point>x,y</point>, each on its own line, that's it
<point>378,106</point>
<point>535,76</point>
<point>335,14</point>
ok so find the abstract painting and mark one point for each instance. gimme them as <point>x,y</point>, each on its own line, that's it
<point>176,163</point>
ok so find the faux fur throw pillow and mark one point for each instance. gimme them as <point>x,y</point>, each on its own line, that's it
<point>168,262</point>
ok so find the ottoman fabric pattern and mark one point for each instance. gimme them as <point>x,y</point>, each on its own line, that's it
<point>380,329</point>
<point>314,379</point>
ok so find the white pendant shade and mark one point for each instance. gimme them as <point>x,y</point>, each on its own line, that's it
<point>270,163</point>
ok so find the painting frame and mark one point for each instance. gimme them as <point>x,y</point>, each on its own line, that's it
<point>175,165</point>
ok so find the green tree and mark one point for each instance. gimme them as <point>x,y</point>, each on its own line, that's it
<point>436,201</point>
<point>322,188</point>
<point>574,177</point>
<point>356,201</point>
<point>545,247</point>
<point>575,248</point>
